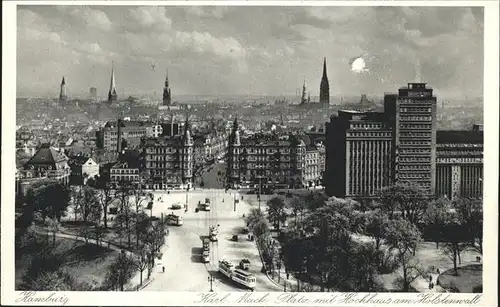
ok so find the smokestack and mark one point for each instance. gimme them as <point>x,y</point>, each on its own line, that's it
<point>119,137</point>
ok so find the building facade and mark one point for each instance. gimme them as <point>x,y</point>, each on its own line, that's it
<point>124,172</point>
<point>366,151</point>
<point>266,160</point>
<point>169,161</point>
<point>47,163</point>
<point>83,168</point>
<point>314,162</point>
<point>358,154</point>
<point>412,114</point>
<point>459,164</point>
<point>129,131</point>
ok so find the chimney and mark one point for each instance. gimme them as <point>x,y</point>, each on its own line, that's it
<point>119,135</point>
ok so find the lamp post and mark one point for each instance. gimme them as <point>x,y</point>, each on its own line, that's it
<point>211,280</point>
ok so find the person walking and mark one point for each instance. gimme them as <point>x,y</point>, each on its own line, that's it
<point>163,269</point>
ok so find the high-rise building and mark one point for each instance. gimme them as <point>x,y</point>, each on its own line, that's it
<point>324,88</point>
<point>366,151</point>
<point>167,94</point>
<point>63,95</point>
<point>358,154</point>
<point>412,114</point>
<point>93,92</point>
<point>112,96</point>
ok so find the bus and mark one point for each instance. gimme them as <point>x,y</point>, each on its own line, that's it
<point>175,220</point>
<point>226,268</point>
<point>244,278</point>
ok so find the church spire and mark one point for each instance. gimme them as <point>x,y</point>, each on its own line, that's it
<point>167,93</point>
<point>63,96</point>
<point>324,88</point>
<point>112,86</point>
<point>303,99</point>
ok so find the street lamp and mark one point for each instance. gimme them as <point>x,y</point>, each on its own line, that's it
<point>211,280</point>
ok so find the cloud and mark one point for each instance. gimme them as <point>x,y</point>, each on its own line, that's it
<point>150,16</point>
<point>90,17</point>
<point>273,48</point>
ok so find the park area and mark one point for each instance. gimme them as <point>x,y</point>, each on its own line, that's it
<point>85,263</point>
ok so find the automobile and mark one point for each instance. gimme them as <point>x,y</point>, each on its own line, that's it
<point>176,206</point>
<point>234,238</point>
<point>245,264</point>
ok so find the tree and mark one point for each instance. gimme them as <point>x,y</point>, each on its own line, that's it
<point>120,271</point>
<point>89,206</point>
<point>105,197</point>
<point>154,239</point>
<point>53,281</point>
<point>316,200</point>
<point>470,215</point>
<point>54,226</point>
<point>375,225</point>
<point>253,217</point>
<point>124,217</point>
<point>298,205</point>
<point>402,238</point>
<point>438,213</point>
<point>141,260</point>
<point>276,211</point>
<point>408,198</point>
<point>260,228</point>
<point>50,198</point>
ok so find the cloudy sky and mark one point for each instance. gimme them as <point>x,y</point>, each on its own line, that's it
<point>248,50</point>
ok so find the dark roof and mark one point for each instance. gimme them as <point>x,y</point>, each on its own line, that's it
<point>459,136</point>
<point>47,155</point>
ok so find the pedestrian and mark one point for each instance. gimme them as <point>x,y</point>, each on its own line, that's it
<point>163,269</point>
<point>438,271</point>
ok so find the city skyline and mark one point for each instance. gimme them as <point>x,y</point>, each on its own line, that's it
<point>235,51</point>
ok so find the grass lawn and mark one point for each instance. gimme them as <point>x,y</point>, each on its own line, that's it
<point>86,262</point>
<point>469,276</point>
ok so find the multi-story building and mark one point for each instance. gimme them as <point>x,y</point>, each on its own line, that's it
<point>366,151</point>
<point>47,163</point>
<point>209,147</point>
<point>82,169</point>
<point>412,114</point>
<point>459,164</point>
<point>358,154</point>
<point>268,160</point>
<point>124,172</point>
<point>131,133</point>
<point>314,165</point>
<point>169,161</point>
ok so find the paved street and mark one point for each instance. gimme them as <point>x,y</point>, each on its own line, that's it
<point>182,251</point>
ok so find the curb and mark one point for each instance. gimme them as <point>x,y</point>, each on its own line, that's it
<point>264,266</point>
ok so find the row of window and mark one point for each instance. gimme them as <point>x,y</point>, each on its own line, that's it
<point>415,109</point>
<point>371,134</point>
<point>125,178</point>
<point>124,171</point>
<point>366,126</point>
<point>415,126</point>
<point>416,118</point>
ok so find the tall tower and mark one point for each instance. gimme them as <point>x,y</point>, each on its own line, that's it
<point>303,99</point>
<point>63,96</point>
<point>167,94</point>
<point>324,88</point>
<point>413,115</point>
<point>112,90</point>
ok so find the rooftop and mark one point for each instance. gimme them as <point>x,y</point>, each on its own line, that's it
<point>459,136</point>
<point>47,155</point>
